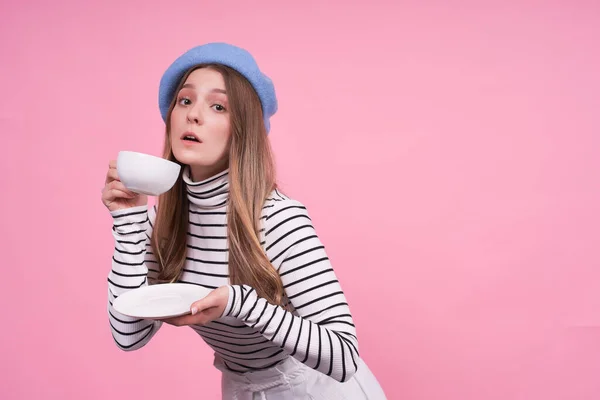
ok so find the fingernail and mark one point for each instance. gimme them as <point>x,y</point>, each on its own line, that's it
<point>194,310</point>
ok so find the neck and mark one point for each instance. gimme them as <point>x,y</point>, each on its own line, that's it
<point>202,173</point>
<point>209,192</point>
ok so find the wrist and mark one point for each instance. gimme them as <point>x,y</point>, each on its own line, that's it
<point>236,301</point>
<point>123,212</point>
<point>128,220</point>
<point>232,298</point>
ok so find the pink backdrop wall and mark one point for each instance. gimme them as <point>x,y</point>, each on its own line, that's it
<point>447,153</point>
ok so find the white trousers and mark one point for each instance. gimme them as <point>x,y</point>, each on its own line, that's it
<point>292,380</point>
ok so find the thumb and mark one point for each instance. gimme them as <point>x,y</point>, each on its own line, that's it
<point>203,304</point>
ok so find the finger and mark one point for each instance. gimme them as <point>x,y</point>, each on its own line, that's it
<point>203,304</point>
<point>115,194</point>
<point>197,306</point>
<point>118,185</point>
<point>113,174</point>
<point>170,321</point>
<point>111,193</point>
<point>178,321</point>
<point>112,164</point>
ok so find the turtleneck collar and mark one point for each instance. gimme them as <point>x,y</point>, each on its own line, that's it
<point>209,193</point>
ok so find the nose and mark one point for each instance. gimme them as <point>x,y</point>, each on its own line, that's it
<point>193,115</point>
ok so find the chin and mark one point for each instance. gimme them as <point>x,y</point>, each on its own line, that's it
<point>191,158</point>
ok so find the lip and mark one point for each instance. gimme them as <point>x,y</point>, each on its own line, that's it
<point>189,133</point>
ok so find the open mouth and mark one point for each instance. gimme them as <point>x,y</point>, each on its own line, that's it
<point>188,137</point>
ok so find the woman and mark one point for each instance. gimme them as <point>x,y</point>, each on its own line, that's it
<point>277,317</point>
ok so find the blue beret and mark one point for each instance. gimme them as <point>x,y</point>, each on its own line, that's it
<point>225,54</point>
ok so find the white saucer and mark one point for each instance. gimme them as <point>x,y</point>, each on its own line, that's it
<point>160,300</point>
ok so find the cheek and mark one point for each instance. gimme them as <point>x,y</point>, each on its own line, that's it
<point>225,129</point>
<point>175,125</point>
<point>226,134</point>
<point>175,117</point>
<point>225,140</point>
<point>221,131</point>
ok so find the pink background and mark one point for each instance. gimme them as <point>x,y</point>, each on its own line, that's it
<point>447,154</point>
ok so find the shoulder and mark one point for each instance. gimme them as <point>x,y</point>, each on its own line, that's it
<point>279,206</point>
<point>282,214</point>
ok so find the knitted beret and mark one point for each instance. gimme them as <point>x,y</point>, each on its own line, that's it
<point>225,54</point>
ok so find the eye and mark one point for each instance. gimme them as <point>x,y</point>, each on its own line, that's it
<point>218,107</point>
<point>184,101</point>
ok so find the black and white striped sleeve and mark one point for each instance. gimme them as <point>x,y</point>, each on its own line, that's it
<point>319,330</point>
<point>132,263</point>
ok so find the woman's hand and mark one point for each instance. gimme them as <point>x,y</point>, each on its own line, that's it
<point>203,311</point>
<point>115,195</point>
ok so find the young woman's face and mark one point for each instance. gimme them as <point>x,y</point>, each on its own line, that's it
<point>200,128</point>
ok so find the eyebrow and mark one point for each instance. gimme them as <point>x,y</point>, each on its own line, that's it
<point>189,85</point>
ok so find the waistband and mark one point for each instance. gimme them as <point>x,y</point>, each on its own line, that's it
<point>255,381</point>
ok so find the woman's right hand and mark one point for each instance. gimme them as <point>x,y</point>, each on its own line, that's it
<point>115,195</point>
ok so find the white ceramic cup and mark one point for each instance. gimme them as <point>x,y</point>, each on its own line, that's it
<point>146,174</point>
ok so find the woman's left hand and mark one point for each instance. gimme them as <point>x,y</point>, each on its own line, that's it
<point>203,311</point>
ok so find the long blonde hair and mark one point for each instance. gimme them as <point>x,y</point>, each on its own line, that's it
<point>251,181</point>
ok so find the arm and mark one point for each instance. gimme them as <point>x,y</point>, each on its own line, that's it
<point>320,333</point>
<point>131,264</point>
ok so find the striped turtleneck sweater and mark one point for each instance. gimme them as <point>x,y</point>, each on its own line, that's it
<point>316,327</point>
